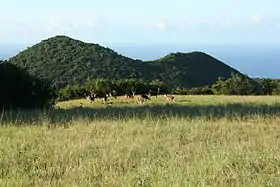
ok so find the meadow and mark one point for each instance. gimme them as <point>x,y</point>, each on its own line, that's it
<point>193,141</point>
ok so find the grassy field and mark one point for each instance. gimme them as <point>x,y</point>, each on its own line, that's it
<point>194,141</point>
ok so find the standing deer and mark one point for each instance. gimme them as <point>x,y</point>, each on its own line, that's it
<point>129,95</point>
<point>154,94</point>
<point>90,97</point>
<point>150,93</point>
<point>169,97</point>
<point>101,95</point>
<point>158,90</point>
<point>144,96</point>
<point>113,94</point>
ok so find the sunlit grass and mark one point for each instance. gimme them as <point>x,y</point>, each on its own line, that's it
<point>217,141</point>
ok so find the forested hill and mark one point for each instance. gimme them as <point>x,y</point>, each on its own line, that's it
<point>66,60</point>
<point>191,69</point>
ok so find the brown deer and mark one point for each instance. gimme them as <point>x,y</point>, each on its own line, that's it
<point>154,93</point>
<point>113,94</point>
<point>90,96</point>
<point>169,97</point>
<point>129,95</point>
<point>101,95</point>
<point>145,97</point>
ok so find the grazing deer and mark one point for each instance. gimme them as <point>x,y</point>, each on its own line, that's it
<point>144,96</point>
<point>169,97</point>
<point>113,94</point>
<point>100,95</point>
<point>129,95</point>
<point>90,97</point>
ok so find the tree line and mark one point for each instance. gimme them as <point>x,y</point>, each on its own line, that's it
<point>22,90</point>
<point>235,85</point>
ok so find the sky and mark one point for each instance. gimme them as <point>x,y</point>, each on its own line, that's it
<point>142,22</point>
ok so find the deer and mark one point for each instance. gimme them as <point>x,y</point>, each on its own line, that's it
<point>90,97</point>
<point>144,96</point>
<point>129,95</point>
<point>100,95</point>
<point>113,94</point>
<point>158,90</point>
<point>169,97</point>
<point>150,93</point>
<point>155,93</point>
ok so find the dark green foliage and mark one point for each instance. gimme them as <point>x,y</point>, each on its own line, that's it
<point>276,91</point>
<point>67,61</point>
<point>189,70</point>
<point>236,85</point>
<point>121,87</point>
<point>205,90</point>
<point>19,89</point>
<point>269,86</point>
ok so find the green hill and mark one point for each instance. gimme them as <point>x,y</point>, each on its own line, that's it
<point>191,69</point>
<point>66,60</point>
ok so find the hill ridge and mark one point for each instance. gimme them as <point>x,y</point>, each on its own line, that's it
<point>66,60</point>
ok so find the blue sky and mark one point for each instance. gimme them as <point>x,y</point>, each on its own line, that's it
<point>142,22</point>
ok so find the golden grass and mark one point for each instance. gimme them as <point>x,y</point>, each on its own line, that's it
<point>196,141</point>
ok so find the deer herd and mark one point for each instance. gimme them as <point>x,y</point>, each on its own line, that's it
<point>141,98</point>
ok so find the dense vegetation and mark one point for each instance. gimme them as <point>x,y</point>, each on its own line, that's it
<point>234,85</point>
<point>19,89</point>
<point>68,61</point>
<point>75,68</point>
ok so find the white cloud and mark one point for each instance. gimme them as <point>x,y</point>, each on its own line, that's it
<point>214,23</point>
<point>161,25</point>
<point>226,23</point>
<point>198,22</point>
<point>255,19</point>
<point>33,29</point>
<point>84,22</point>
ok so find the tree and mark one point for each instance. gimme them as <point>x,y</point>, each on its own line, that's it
<point>268,85</point>
<point>21,90</point>
<point>236,85</point>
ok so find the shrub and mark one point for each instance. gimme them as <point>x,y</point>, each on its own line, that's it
<point>236,85</point>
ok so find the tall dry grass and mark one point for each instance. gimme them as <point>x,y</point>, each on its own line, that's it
<point>197,141</point>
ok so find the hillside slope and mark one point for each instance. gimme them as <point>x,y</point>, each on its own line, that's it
<point>191,69</point>
<point>66,60</point>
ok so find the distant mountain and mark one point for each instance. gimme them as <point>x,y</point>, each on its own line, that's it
<point>66,60</point>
